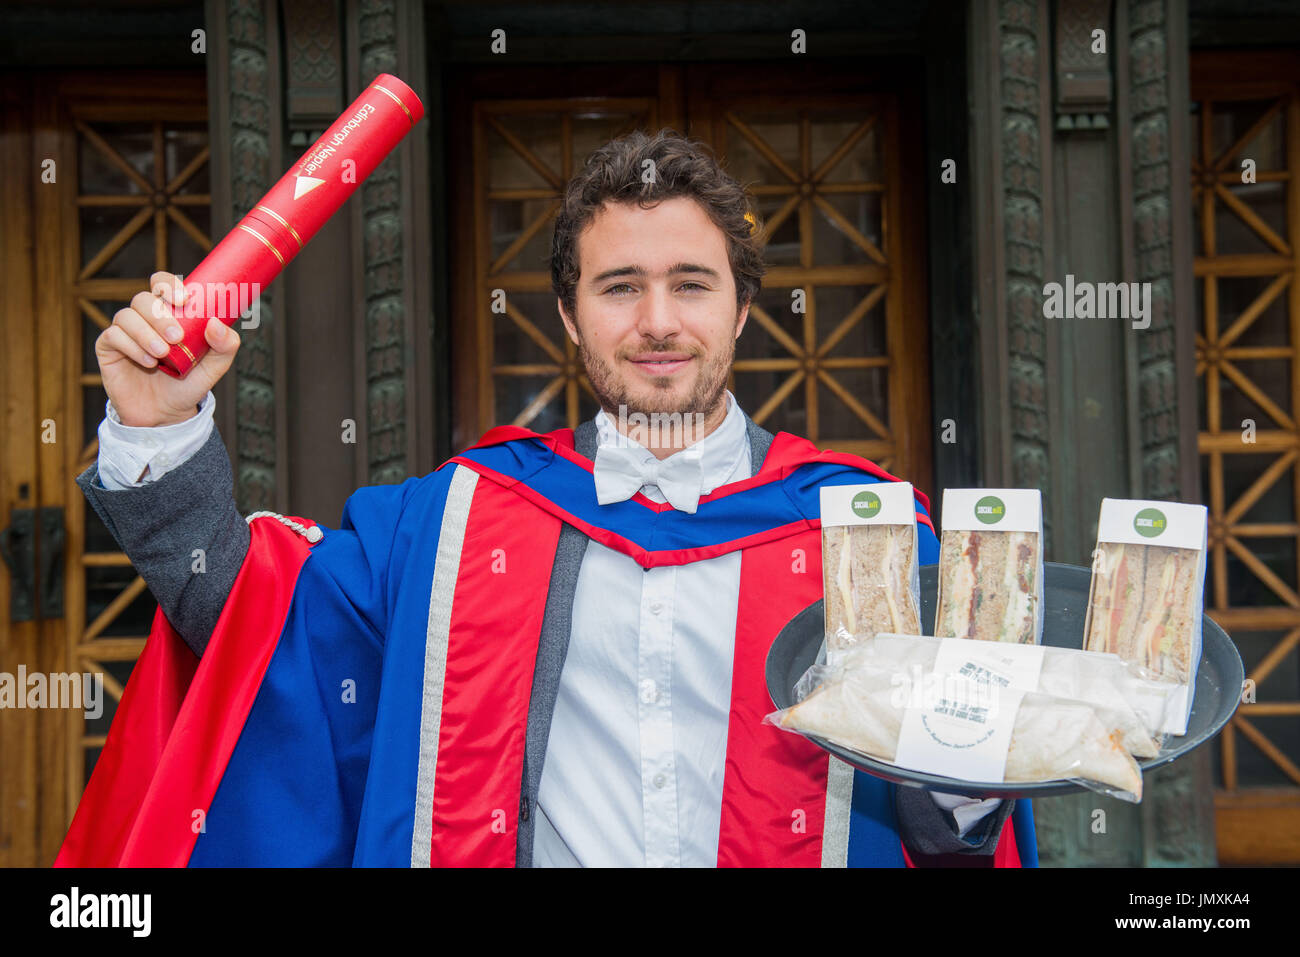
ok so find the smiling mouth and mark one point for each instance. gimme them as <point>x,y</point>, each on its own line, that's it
<point>661,365</point>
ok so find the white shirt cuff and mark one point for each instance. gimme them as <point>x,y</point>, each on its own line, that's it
<point>967,811</point>
<point>126,451</point>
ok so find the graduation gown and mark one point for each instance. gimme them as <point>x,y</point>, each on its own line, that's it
<point>364,698</point>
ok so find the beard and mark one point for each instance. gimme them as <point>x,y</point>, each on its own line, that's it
<point>659,395</point>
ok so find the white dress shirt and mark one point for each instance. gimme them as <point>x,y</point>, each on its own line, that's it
<point>634,764</point>
<point>633,771</point>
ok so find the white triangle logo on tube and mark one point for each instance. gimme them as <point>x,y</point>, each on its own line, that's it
<point>305,184</point>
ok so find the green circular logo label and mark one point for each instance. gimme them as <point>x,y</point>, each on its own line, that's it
<point>865,504</point>
<point>990,510</point>
<point>1149,522</point>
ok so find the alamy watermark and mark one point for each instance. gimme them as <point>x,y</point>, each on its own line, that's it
<point>226,301</point>
<point>132,912</point>
<point>940,691</point>
<point>36,689</point>
<point>1098,300</point>
<point>659,430</point>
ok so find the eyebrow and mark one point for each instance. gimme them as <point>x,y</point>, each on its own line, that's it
<point>640,271</point>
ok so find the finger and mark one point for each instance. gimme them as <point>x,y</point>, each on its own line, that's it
<point>138,329</point>
<point>158,314</point>
<point>114,339</point>
<point>168,286</point>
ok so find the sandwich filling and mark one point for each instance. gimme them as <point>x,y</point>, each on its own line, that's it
<point>868,573</point>
<point>988,587</point>
<point>1144,607</point>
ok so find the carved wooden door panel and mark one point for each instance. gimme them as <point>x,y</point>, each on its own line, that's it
<point>125,193</point>
<point>829,353</point>
<point>1246,157</point>
<point>836,348</point>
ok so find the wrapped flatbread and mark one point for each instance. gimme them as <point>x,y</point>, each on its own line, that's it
<point>1120,699</point>
<point>1051,739</point>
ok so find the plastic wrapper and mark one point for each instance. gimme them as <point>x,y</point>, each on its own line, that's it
<point>991,566</point>
<point>1123,700</point>
<point>865,708</point>
<point>1145,603</point>
<point>869,562</point>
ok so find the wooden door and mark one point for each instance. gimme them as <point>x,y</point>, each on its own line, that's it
<point>106,182</point>
<point>837,344</point>
<point>1246,161</point>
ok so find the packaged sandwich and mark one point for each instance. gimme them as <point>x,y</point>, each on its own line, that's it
<point>991,565</point>
<point>1145,604</point>
<point>869,556</point>
<point>1121,697</point>
<point>964,729</point>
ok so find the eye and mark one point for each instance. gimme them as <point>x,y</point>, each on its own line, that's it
<point>696,285</point>
<point>612,289</point>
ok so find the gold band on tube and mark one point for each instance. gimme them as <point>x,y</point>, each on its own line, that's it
<point>280,219</point>
<point>398,100</point>
<point>263,239</point>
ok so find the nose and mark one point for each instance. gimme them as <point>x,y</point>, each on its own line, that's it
<point>657,316</point>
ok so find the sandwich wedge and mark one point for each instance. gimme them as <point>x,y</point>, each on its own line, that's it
<point>989,586</point>
<point>869,555</point>
<point>868,568</point>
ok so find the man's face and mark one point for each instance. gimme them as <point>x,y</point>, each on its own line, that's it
<point>656,320</point>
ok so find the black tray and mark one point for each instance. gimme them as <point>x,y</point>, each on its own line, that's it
<point>1218,681</point>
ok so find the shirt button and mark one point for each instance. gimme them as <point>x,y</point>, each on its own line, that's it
<point>660,780</point>
<point>649,691</point>
<point>163,459</point>
<point>656,607</point>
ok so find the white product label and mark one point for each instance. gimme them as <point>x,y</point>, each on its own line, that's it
<point>1139,522</point>
<point>1001,663</point>
<point>958,728</point>
<point>881,503</point>
<point>993,510</point>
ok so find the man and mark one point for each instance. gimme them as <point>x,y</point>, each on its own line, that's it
<point>547,652</point>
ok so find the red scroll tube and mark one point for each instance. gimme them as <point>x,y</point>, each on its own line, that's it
<point>252,254</point>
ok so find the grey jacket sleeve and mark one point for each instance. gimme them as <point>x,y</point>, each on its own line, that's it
<point>160,525</point>
<point>930,832</point>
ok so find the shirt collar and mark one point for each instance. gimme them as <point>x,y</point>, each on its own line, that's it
<point>720,450</point>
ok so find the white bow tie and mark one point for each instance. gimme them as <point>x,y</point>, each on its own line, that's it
<point>621,470</point>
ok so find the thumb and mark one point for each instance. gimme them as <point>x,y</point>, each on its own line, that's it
<point>223,343</point>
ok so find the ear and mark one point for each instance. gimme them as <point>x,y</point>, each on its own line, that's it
<point>740,322</point>
<point>569,326</point>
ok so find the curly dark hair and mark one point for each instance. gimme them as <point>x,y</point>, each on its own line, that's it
<point>682,167</point>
